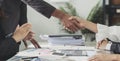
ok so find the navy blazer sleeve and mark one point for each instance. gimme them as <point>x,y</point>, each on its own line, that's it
<point>23,14</point>
<point>115,47</point>
<point>41,6</point>
<point>8,48</point>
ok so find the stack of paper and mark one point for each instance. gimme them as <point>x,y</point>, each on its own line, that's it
<point>63,39</point>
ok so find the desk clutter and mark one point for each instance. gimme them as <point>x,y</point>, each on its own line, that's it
<point>56,53</point>
<point>59,48</point>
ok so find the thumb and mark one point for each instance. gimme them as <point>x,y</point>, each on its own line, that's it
<point>17,27</point>
<point>98,44</point>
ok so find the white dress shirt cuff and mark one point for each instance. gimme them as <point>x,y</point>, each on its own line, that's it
<point>102,32</point>
<point>108,46</point>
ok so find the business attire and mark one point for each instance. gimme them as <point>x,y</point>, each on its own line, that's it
<point>112,33</point>
<point>16,13</point>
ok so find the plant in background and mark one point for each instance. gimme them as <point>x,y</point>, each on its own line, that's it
<point>69,9</point>
<point>96,15</point>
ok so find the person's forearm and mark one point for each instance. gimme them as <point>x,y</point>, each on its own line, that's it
<point>41,6</point>
<point>90,26</point>
<point>8,48</point>
<point>115,57</point>
<point>59,14</point>
<point>118,57</point>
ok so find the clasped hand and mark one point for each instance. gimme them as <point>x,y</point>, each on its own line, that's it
<point>71,23</point>
<point>21,32</point>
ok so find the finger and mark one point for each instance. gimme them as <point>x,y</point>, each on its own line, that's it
<point>68,27</point>
<point>77,25</point>
<point>29,36</point>
<point>27,25</point>
<point>99,44</point>
<point>76,22</point>
<point>17,27</point>
<point>34,42</point>
<point>72,18</point>
<point>72,26</point>
<point>25,43</point>
<point>38,46</point>
<point>31,32</point>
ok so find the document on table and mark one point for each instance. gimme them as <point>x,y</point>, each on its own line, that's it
<point>63,39</point>
<point>48,52</point>
<point>34,52</point>
<point>47,55</point>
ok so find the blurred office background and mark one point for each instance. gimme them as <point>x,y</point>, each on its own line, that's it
<point>42,25</point>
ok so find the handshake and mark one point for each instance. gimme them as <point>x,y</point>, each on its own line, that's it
<point>73,24</point>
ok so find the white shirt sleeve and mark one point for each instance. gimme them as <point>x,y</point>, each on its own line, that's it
<point>108,46</point>
<point>112,32</point>
<point>102,32</point>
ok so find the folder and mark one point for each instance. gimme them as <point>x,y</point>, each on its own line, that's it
<point>63,39</point>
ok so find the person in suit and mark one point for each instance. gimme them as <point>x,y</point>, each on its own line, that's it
<point>15,13</point>
<point>107,37</point>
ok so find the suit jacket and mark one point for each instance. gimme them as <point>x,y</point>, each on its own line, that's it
<point>15,13</point>
<point>115,47</point>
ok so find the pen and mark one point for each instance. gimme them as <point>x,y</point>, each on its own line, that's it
<point>29,58</point>
<point>56,53</point>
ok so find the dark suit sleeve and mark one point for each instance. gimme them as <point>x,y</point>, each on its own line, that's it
<point>23,14</point>
<point>115,48</point>
<point>8,48</point>
<point>41,6</point>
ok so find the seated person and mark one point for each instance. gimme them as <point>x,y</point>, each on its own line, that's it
<point>103,32</point>
<point>20,33</point>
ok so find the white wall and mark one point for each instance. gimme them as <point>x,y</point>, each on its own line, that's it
<point>83,7</point>
<point>43,25</point>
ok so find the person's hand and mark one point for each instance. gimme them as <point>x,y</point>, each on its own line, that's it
<point>71,24</point>
<point>104,57</point>
<point>102,44</point>
<point>79,20</point>
<point>29,36</point>
<point>85,24</point>
<point>22,32</point>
